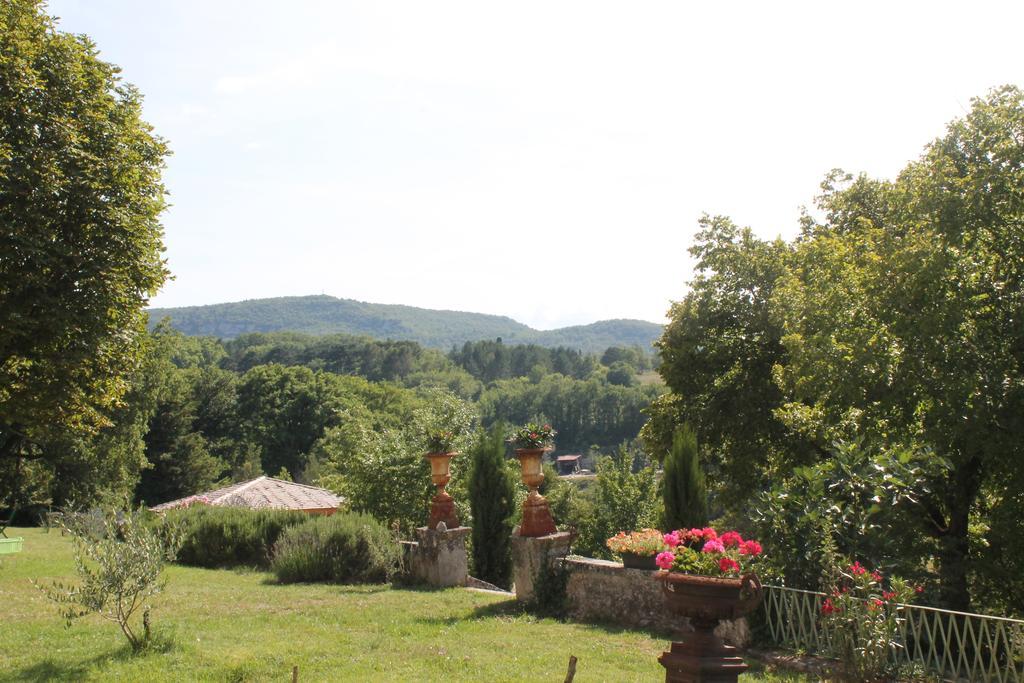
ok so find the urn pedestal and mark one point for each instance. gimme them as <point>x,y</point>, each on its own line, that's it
<point>702,657</point>
<point>537,520</point>
<point>442,505</point>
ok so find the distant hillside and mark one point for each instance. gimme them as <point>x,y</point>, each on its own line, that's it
<point>438,329</point>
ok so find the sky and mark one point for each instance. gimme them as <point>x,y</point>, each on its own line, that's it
<point>548,161</point>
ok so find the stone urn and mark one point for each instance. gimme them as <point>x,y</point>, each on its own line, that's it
<point>537,520</point>
<point>706,600</point>
<point>442,505</point>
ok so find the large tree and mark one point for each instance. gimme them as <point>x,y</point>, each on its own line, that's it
<point>894,318</point>
<point>80,196</point>
<point>903,315</point>
<point>717,356</point>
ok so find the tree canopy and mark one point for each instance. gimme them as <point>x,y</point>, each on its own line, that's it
<point>80,199</point>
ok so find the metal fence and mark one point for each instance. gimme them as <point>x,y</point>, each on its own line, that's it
<point>953,645</point>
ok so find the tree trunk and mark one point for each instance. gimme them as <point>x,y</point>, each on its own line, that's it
<point>954,544</point>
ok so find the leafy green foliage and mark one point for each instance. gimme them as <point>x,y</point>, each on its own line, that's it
<point>218,537</point>
<point>492,498</point>
<point>718,352</point>
<point>119,558</point>
<point>346,547</point>
<point>375,458</point>
<point>864,500</point>
<point>327,315</point>
<point>80,196</point>
<point>683,490</point>
<point>624,498</point>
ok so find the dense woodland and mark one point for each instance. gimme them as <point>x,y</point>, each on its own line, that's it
<point>201,411</point>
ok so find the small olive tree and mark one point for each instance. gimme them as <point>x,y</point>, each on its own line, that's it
<point>119,559</point>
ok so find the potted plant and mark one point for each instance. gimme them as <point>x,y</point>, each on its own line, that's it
<point>638,549</point>
<point>440,451</point>
<point>707,577</point>
<point>530,442</point>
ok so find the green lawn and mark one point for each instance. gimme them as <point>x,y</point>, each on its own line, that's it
<point>240,626</point>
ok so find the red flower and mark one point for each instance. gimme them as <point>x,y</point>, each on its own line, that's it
<point>888,595</point>
<point>876,575</point>
<point>828,608</point>
<point>874,604</point>
<point>856,569</point>
<point>727,564</point>
<point>710,534</point>
<point>731,539</point>
<point>752,548</point>
<point>919,589</point>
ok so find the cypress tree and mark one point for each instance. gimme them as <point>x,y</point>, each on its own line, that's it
<point>685,495</point>
<point>492,498</point>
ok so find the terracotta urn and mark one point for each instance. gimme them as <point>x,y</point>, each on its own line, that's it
<point>706,600</point>
<point>537,520</point>
<point>442,505</point>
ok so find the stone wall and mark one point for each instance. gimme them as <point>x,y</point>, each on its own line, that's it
<point>603,591</point>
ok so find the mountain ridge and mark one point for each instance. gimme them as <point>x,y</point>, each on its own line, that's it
<point>436,328</point>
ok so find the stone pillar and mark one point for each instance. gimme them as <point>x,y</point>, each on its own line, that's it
<point>438,558</point>
<point>530,554</point>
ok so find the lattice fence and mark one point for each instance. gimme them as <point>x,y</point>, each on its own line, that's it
<point>954,645</point>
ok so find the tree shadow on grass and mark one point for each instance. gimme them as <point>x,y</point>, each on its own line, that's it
<point>52,670</point>
<point>506,609</point>
<point>352,588</point>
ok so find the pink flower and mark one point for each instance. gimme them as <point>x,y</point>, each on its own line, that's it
<point>752,548</point>
<point>672,539</point>
<point>710,534</point>
<point>731,539</point>
<point>696,534</point>
<point>713,546</point>
<point>665,559</point>
<point>727,564</point>
<point>857,569</point>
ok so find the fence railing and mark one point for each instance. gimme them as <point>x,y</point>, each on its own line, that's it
<point>954,645</point>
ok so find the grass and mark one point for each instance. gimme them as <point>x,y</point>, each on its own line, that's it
<point>221,625</point>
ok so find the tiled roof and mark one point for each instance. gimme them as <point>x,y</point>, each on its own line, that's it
<point>262,492</point>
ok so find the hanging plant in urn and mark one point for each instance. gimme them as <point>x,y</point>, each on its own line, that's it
<point>440,451</point>
<point>531,442</point>
<point>707,577</point>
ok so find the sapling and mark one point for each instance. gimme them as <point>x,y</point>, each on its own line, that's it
<point>119,559</point>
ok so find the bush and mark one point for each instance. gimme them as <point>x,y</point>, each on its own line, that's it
<point>217,537</point>
<point>492,497</point>
<point>684,492</point>
<point>348,547</point>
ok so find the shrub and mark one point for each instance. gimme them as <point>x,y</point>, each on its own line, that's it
<point>348,547</point>
<point>492,497</point>
<point>217,537</point>
<point>684,492</point>
<point>119,558</point>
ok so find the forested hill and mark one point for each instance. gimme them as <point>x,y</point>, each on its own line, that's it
<point>438,329</point>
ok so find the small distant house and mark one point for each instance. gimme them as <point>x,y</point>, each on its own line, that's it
<point>568,464</point>
<point>263,492</point>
